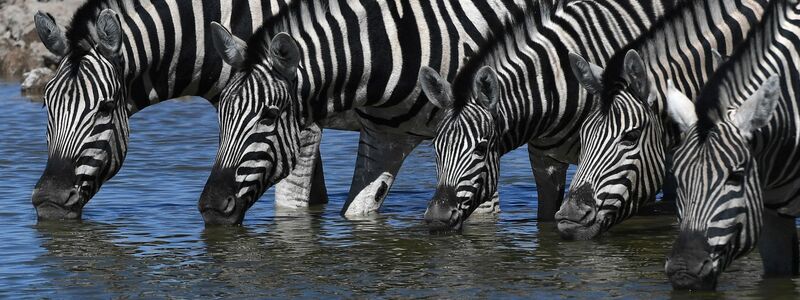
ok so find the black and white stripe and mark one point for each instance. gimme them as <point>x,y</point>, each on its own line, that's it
<point>361,56</point>
<point>737,166</point>
<point>540,105</point>
<point>118,57</point>
<point>625,138</point>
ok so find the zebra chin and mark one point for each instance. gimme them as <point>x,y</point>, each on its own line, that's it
<point>56,196</point>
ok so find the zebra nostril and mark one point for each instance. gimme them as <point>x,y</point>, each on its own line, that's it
<point>73,198</point>
<point>587,215</point>
<point>230,204</point>
<point>706,268</point>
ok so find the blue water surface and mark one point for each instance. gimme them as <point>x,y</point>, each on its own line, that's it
<point>142,236</point>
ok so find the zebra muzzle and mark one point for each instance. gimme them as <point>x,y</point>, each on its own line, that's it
<point>689,266</point>
<point>687,274</point>
<point>58,204</point>
<point>443,213</point>
<point>577,219</point>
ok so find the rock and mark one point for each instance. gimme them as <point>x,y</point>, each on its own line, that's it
<point>21,52</point>
<point>35,80</point>
<point>16,59</point>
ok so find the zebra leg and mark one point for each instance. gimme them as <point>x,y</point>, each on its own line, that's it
<point>778,245</point>
<point>551,179</point>
<point>305,185</point>
<point>669,188</point>
<point>380,156</point>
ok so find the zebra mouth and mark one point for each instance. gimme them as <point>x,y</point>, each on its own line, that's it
<point>231,212</point>
<point>585,228</point>
<point>450,225</point>
<point>441,227</point>
<point>586,220</point>
<point>50,210</point>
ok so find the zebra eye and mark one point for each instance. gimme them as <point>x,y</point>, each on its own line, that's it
<point>480,148</point>
<point>268,116</point>
<point>631,137</point>
<point>107,106</point>
<point>735,178</point>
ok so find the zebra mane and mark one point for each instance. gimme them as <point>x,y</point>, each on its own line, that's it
<point>708,102</point>
<point>537,12</point>
<point>258,43</point>
<point>613,77</point>
<point>81,32</point>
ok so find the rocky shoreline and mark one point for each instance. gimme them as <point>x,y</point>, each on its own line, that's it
<point>22,56</point>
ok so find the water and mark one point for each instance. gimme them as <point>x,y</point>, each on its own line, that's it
<point>142,235</point>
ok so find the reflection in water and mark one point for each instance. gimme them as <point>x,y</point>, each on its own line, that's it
<point>84,254</point>
<point>142,236</point>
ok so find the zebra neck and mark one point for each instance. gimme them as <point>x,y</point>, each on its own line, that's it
<point>770,49</point>
<point>680,47</point>
<point>168,52</point>
<point>542,103</point>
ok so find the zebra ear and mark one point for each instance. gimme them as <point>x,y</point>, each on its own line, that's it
<point>51,35</point>
<point>680,108</point>
<point>588,74</point>
<point>487,89</point>
<point>285,55</point>
<point>109,33</point>
<point>229,47</point>
<point>759,107</point>
<point>436,88</point>
<point>636,74</point>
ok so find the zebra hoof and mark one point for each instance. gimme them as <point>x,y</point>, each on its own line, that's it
<point>370,199</point>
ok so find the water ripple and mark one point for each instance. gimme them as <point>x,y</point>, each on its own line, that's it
<point>142,236</point>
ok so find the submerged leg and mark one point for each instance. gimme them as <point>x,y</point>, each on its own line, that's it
<point>305,185</point>
<point>380,156</point>
<point>778,245</point>
<point>551,179</point>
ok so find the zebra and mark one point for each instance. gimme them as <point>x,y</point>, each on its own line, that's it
<point>626,136</point>
<point>116,58</point>
<point>325,64</point>
<point>518,91</point>
<point>737,166</point>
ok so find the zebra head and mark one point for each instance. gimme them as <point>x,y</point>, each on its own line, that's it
<point>259,123</point>
<point>622,154</point>
<point>466,145</point>
<point>719,194</point>
<point>87,128</point>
